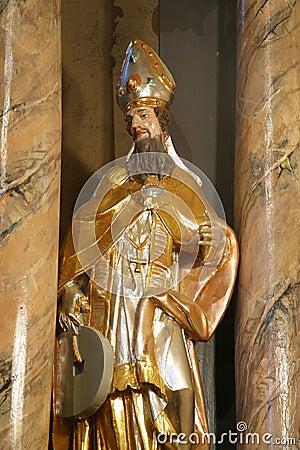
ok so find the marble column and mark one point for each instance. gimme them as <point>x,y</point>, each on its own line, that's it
<point>268,223</point>
<point>30,126</point>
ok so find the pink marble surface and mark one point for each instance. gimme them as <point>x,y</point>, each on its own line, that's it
<point>30,123</point>
<point>267,220</point>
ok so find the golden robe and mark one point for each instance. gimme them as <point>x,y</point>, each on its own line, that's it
<point>150,314</point>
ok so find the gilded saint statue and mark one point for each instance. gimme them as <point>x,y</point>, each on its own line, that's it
<point>151,267</point>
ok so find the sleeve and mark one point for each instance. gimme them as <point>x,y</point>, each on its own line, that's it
<point>199,307</point>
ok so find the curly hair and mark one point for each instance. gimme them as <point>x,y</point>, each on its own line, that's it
<point>164,118</point>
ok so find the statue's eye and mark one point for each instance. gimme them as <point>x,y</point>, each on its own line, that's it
<point>144,116</point>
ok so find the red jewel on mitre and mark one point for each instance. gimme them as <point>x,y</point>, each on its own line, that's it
<point>133,82</point>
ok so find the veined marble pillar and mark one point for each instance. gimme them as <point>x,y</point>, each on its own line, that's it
<point>30,126</point>
<point>268,223</point>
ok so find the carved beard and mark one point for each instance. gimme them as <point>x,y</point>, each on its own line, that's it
<point>149,145</point>
<point>149,158</point>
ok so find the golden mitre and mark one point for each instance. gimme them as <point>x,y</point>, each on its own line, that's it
<point>145,80</point>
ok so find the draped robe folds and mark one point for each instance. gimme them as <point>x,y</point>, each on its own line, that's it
<point>152,333</point>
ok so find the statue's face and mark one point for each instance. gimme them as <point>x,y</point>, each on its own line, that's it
<point>143,123</point>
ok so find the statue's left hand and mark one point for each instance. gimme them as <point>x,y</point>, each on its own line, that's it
<point>186,312</point>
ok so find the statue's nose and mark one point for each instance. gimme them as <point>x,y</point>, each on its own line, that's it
<point>136,122</point>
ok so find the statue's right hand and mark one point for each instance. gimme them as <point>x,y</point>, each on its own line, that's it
<point>70,309</point>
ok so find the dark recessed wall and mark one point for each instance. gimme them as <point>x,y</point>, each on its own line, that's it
<point>197,42</point>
